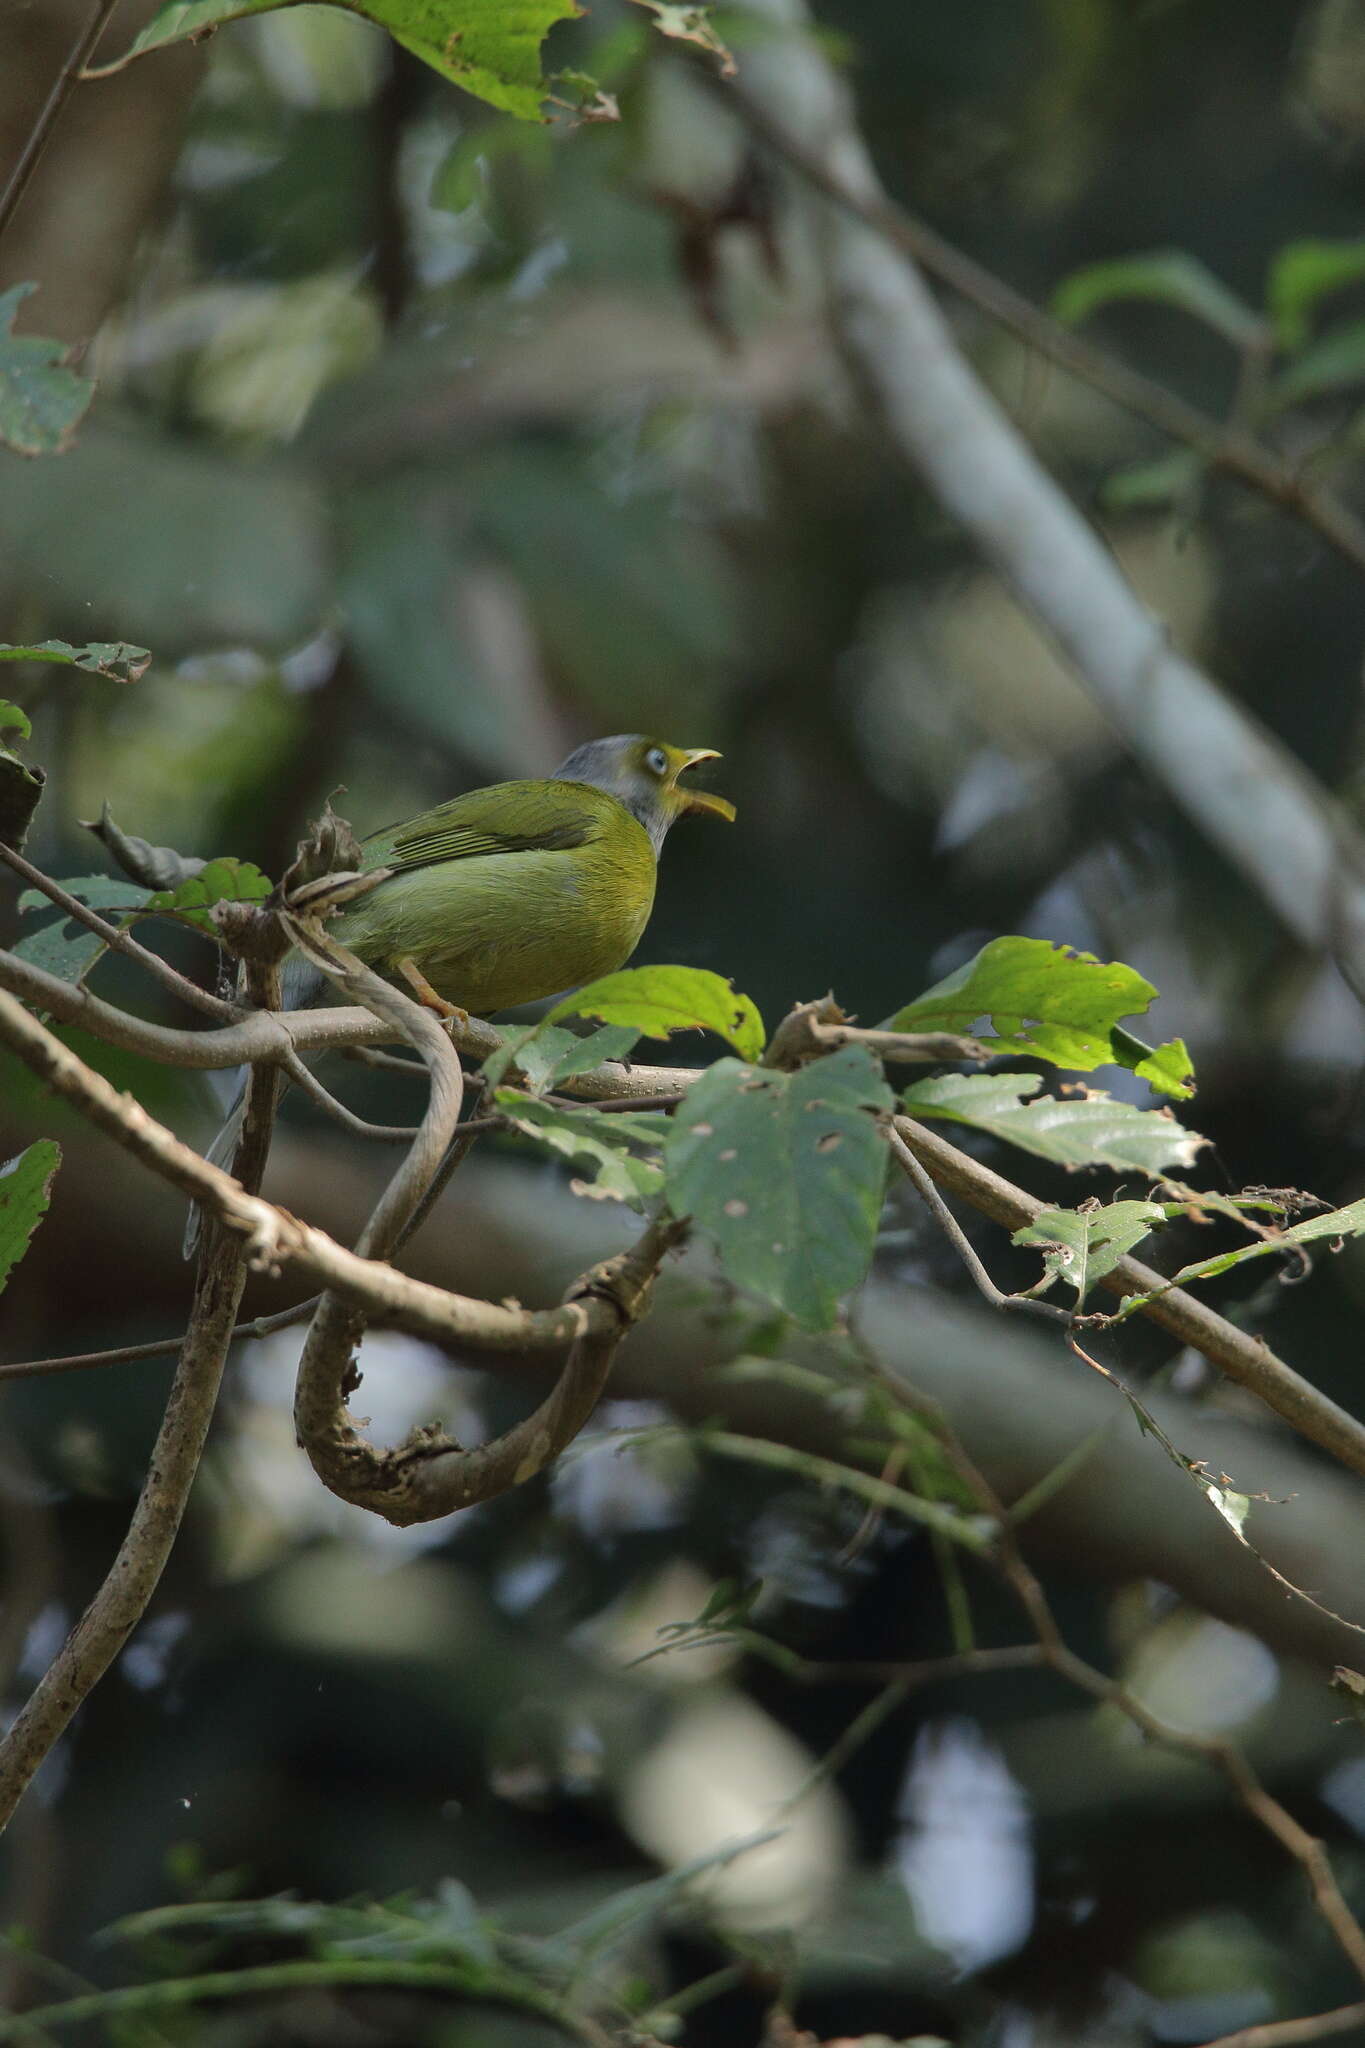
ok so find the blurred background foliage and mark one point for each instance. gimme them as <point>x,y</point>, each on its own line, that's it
<point>427,444</point>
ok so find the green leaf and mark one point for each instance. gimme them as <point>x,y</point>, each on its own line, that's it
<point>546,1054</point>
<point>1334,362</point>
<point>593,1135</point>
<point>63,947</point>
<point>227,880</point>
<point>41,401</point>
<point>1167,1069</point>
<point>1046,1000</point>
<point>785,1173</point>
<point>25,1188</point>
<point>21,785</point>
<point>1171,276</point>
<point>490,47</point>
<point>1301,276</point>
<point>659,1000</point>
<point>1088,1128</point>
<point>114,658</point>
<point>1334,1223</point>
<point>1080,1246</point>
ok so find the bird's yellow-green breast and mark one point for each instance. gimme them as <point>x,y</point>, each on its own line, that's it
<point>522,889</point>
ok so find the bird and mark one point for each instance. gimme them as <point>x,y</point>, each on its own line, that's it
<point>513,892</point>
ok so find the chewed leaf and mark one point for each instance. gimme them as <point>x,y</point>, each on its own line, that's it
<point>546,1054</point>
<point>1049,1001</point>
<point>219,881</point>
<point>785,1173</point>
<point>488,47</point>
<point>41,401</point>
<point>656,1001</point>
<point>117,659</point>
<point>1080,1246</point>
<point>1335,1225</point>
<point>25,1187</point>
<point>1085,1129</point>
<point>602,1140</point>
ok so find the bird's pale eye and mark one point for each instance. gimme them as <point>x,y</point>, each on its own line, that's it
<point>656,760</point>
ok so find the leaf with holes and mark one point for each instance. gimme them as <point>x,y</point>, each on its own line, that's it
<point>488,47</point>
<point>25,1188</point>
<point>657,1001</point>
<point>60,945</point>
<point>1088,1128</point>
<point>602,1140</point>
<point>113,658</point>
<point>227,880</point>
<point>785,1173</point>
<point>1080,1246</point>
<point>1336,1225</point>
<point>41,401</point>
<point>1054,1003</point>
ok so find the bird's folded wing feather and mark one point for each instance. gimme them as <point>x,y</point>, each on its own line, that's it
<point>509,818</point>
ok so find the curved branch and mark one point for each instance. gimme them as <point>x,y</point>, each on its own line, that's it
<point>133,1577</point>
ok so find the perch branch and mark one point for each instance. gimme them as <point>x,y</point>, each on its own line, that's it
<point>41,132</point>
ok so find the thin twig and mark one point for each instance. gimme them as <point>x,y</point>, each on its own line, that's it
<point>41,132</point>
<point>122,941</point>
<point>304,1078</point>
<point>122,1600</point>
<point>1227,446</point>
<point>962,1245</point>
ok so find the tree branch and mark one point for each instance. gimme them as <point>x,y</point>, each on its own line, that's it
<point>1244,789</point>
<point>41,132</point>
<point>133,1577</point>
<point>122,941</point>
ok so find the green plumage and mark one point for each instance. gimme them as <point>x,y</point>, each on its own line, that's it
<point>508,893</point>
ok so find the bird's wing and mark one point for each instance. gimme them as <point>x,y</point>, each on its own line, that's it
<point>510,817</point>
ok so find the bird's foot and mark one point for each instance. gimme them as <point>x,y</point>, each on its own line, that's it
<point>427,996</point>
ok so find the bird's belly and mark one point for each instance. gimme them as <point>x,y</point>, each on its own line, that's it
<point>503,930</point>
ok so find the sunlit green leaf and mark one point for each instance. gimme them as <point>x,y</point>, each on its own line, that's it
<point>114,658</point>
<point>1167,1069</point>
<point>25,1188</point>
<point>785,1172</point>
<point>1080,1246</point>
<point>658,1001</point>
<point>219,881</point>
<point>1083,1129</point>
<point>1046,1000</point>
<point>490,47</point>
<point>41,401</point>
<point>1171,276</point>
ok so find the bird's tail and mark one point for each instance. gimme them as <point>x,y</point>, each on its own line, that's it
<point>219,1154</point>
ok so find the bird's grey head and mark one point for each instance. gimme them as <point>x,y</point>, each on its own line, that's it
<point>643,774</point>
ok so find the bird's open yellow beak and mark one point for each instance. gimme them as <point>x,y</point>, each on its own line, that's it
<point>701,799</point>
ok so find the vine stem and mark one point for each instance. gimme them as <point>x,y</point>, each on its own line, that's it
<point>41,133</point>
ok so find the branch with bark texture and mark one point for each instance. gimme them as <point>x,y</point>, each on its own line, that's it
<point>122,1600</point>
<point>1244,790</point>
